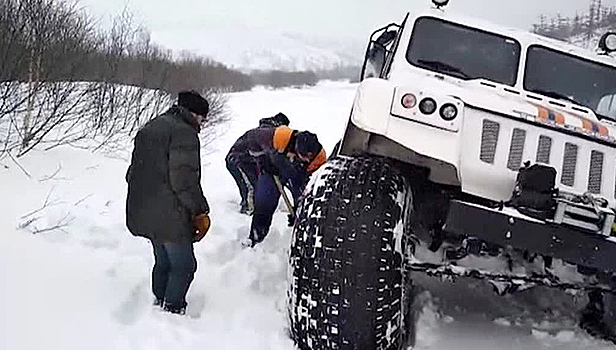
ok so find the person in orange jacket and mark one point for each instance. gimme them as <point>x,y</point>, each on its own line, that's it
<point>243,167</point>
<point>288,154</point>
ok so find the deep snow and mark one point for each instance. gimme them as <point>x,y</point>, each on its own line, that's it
<point>86,283</point>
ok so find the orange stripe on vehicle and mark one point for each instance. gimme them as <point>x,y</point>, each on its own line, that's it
<point>559,118</point>
<point>586,124</point>
<point>603,130</point>
<point>546,114</point>
<point>543,113</point>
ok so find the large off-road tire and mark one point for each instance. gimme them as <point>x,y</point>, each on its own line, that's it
<point>599,316</point>
<point>347,285</point>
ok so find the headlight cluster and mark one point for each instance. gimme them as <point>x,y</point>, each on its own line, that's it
<point>448,111</point>
<point>428,106</point>
<point>409,101</point>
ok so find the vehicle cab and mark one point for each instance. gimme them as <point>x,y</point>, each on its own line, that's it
<point>475,101</point>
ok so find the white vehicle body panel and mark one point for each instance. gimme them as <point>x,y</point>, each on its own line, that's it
<point>377,109</point>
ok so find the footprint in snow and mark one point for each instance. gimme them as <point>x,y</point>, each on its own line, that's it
<point>134,305</point>
<point>196,305</point>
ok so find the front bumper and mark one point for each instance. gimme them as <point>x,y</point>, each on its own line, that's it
<point>507,228</point>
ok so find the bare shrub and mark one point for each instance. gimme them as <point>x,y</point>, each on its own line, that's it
<point>62,81</point>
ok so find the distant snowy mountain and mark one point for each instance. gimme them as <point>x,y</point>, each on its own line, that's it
<point>250,49</point>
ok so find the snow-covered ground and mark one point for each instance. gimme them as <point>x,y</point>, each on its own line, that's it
<point>85,284</point>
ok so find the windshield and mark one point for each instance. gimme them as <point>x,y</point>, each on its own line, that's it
<point>559,75</point>
<point>463,52</point>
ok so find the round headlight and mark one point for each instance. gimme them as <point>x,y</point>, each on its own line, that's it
<point>427,105</point>
<point>608,42</point>
<point>448,112</point>
<point>409,101</point>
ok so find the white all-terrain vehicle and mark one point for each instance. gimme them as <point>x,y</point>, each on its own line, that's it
<point>471,150</point>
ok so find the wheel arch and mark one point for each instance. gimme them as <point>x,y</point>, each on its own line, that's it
<point>357,141</point>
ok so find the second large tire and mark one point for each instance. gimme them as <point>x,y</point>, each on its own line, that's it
<point>347,285</point>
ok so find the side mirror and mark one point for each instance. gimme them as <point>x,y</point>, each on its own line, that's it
<point>607,43</point>
<point>607,106</point>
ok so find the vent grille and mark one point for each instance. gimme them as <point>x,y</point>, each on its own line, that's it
<point>489,139</point>
<point>569,162</point>
<point>595,172</point>
<point>516,149</point>
<point>544,149</point>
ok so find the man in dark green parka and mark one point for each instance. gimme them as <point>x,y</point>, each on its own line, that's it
<point>165,202</point>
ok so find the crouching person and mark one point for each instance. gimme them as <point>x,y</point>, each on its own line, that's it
<point>165,202</point>
<point>283,155</point>
<point>245,168</point>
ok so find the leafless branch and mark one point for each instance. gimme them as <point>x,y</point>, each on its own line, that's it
<point>83,199</point>
<point>43,207</point>
<point>62,223</point>
<point>49,177</point>
<point>19,165</point>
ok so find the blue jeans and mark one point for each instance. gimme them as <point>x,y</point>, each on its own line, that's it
<point>174,269</point>
<point>267,197</point>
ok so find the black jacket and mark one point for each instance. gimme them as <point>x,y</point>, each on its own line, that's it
<point>164,189</point>
<point>252,146</point>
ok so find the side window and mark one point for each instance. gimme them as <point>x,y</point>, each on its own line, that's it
<point>377,52</point>
<point>607,106</point>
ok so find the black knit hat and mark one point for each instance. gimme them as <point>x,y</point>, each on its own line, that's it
<point>281,119</point>
<point>275,121</point>
<point>307,143</point>
<point>193,101</point>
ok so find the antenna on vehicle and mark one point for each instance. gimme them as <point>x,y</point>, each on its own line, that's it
<point>440,3</point>
<point>607,43</point>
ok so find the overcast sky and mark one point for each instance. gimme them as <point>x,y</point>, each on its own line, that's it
<point>180,20</point>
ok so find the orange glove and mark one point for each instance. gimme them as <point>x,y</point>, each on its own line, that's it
<point>201,223</point>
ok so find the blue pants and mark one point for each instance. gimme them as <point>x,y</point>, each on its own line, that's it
<point>174,269</point>
<point>267,197</point>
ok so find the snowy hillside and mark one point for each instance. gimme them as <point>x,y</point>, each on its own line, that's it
<point>85,283</point>
<point>267,50</point>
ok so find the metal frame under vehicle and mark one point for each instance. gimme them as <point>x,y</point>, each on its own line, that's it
<point>505,228</point>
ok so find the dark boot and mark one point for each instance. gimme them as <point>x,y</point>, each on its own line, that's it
<point>247,243</point>
<point>179,310</point>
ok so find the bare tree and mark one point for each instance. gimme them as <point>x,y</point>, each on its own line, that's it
<point>62,81</point>
<point>46,42</point>
<point>218,114</point>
